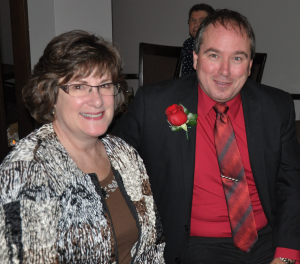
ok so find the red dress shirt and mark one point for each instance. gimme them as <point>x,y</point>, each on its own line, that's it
<point>209,210</point>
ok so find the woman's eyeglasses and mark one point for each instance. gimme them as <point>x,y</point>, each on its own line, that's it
<point>81,90</point>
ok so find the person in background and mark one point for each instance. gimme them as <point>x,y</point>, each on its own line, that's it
<point>226,182</point>
<point>69,193</point>
<point>197,13</point>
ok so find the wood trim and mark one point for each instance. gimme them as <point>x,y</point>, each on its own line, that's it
<point>22,65</point>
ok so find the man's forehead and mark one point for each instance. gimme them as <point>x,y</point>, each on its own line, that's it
<point>230,26</point>
<point>199,13</point>
<point>216,34</point>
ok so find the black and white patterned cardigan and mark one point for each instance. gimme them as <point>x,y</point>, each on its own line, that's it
<point>52,212</point>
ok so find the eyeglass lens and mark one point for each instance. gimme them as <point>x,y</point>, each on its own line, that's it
<point>80,90</point>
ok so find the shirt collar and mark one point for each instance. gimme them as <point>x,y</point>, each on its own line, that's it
<point>207,103</point>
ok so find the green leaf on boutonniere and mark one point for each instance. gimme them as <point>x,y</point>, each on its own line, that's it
<point>174,128</point>
<point>192,119</point>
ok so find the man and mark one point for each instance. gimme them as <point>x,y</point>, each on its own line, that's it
<point>200,220</point>
<point>196,14</point>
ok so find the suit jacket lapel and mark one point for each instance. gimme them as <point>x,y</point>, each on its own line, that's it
<point>189,98</point>
<point>254,124</point>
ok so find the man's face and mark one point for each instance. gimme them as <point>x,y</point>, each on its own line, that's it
<point>223,63</point>
<point>195,21</point>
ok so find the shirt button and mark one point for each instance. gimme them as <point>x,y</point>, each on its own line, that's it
<point>186,228</point>
<point>178,260</point>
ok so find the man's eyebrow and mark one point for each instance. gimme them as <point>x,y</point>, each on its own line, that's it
<point>241,53</point>
<point>218,51</point>
<point>212,50</point>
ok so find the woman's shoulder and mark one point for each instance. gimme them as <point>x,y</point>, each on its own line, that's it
<point>114,143</point>
<point>118,151</point>
<point>18,167</point>
<point>24,150</point>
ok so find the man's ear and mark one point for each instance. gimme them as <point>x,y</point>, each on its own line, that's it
<point>250,66</point>
<point>195,60</point>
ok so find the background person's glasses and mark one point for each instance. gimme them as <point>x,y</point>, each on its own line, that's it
<point>81,90</point>
<point>194,21</point>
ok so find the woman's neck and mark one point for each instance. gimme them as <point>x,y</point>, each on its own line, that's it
<point>88,153</point>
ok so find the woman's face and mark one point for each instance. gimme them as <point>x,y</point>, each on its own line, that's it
<point>84,117</point>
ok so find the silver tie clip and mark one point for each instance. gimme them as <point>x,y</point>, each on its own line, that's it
<point>229,178</point>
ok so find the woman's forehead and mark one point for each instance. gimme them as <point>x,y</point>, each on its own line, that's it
<point>91,73</point>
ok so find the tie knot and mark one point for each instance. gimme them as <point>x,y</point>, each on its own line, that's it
<point>221,108</point>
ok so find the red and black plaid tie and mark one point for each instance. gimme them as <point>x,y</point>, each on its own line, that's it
<point>235,186</point>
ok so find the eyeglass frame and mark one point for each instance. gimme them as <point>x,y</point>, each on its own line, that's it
<point>193,21</point>
<point>65,88</point>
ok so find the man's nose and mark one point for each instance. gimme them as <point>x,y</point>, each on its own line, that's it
<point>224,68</point>
<point>197,23</point>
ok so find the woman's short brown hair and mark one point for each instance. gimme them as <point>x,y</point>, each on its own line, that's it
<point>70,56</point>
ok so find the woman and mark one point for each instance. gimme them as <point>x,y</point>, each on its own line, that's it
<point>67,196</point>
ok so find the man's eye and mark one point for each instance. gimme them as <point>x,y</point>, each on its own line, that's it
<point>237,58</point>
<point>213,55</point>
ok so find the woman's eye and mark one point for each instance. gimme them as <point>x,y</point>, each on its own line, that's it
<point>106,85</point>
<point>77,87</point>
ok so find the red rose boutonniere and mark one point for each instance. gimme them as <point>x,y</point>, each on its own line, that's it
<point>180,118</point>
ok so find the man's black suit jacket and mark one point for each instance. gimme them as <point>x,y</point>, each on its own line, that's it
<point>170,158</point>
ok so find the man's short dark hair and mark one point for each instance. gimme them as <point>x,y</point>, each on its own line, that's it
<point>200,7</point>
<point>228,19</point>
<point>71,55</point>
